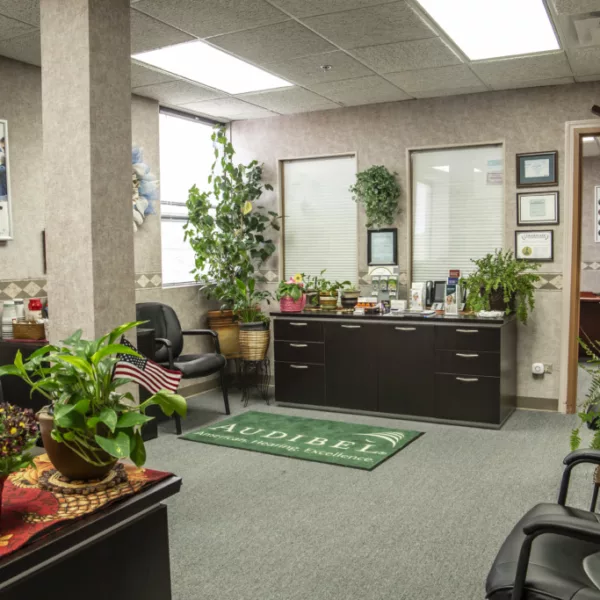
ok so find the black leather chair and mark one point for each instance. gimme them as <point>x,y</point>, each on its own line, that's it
<point>169,339</point>
<point>553,553</point>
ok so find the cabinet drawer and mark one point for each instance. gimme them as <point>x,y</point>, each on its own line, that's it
<point>467,362</point>
<point>299,382</point>
<point>467,398</point>
<point>298,330</point>
<point>467,337</point>
<point>303,352</point>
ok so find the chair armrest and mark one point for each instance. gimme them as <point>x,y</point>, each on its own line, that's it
<point>577,457</point>
<point>210,332</point>
<point>167,344</point>
<point>573,527</point>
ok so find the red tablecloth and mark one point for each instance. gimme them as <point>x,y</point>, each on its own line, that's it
<point>28,511</point>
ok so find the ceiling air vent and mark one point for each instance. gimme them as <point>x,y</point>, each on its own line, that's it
<point>587,28</point>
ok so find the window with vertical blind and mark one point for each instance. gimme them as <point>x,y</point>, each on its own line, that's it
<point>186,156</point>
<point>457,209</point>
<point>320,218</point>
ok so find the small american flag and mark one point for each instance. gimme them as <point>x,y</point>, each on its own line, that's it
<point>147,373</point>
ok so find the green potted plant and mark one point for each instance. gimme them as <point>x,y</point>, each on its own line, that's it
<point>329,294</point>
<point>253,323</point>
<point>291,294</point>
<point>90,423</point>
<point>379,193</point>
<point>502,282</point>
<point>313,286</point>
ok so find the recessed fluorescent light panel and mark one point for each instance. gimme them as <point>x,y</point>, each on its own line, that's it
<point>484,29</point>
<point>200,62</point>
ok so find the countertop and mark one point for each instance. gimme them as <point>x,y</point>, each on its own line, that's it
<point>436,318</point>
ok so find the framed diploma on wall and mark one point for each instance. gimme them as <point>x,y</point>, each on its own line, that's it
<point>537,169</point>
<point>382,247</point>
<point>537,208</point>
<point>536,246</point>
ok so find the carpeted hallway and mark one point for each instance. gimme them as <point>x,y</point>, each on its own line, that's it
<point>424,525</point>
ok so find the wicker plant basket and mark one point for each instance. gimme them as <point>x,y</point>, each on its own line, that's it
<point>254,344</point>
<point>22,330</point>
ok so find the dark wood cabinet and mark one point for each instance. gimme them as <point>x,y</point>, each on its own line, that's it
<point>350,373</point>
<point>405,362</point>
<point>458,371</point>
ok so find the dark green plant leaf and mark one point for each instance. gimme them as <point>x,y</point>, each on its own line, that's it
<point>138,450</point>
<point>131,419</point>
<point>119,446</point>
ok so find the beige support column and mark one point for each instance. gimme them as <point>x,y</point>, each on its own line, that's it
<point>86,111</point>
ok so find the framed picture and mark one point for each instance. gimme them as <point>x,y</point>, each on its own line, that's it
<point>537,169</point>
<point>382,247</point>
<point>537,208</point>
<point>536,246</point>
<point>5,197</point>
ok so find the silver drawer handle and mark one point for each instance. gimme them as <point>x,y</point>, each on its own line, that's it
<point>298,345</point>
<point>405,328</point>
<point>467,355</point>
<point>351,326</point>
<point>467,331</point>
<point>299,324</point>
<point>468,379</point>
<point>299,366</point>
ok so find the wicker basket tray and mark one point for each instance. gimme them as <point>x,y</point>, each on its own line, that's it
<point>23,330</point>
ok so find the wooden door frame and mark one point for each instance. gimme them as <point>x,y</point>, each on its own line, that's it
<point>572,203</point>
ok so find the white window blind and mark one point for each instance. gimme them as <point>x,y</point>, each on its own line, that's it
<point>186,155</point>
<point>320,218</point>
<point>458,209</point>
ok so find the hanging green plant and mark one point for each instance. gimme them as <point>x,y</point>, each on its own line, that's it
<point>379,192</point>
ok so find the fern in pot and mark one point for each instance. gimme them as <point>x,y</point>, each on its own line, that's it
<point>502,282</point>
<point>377,190</point>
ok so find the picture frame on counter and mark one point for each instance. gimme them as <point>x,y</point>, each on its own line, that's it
<point>537,208</point>
<point>537,169</point>
<point>6,232</point>
<point>382,246</point>
<point>534,245</point>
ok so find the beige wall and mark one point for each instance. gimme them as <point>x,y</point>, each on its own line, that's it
<point>525,120</point>
<point>590,249</point>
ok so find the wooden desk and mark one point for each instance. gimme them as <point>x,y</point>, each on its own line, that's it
<point>121,553</point>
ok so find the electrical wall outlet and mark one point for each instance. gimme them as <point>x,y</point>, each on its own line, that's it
<point>547,368</point>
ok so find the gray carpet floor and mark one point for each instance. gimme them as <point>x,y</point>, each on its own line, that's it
<point>426,524</point>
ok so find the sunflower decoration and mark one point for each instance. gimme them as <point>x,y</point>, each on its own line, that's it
<point>18,433</point>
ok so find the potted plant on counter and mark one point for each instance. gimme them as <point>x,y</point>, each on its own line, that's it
<point>328,297</point>
<point>502,282</point>
<point>90,423</point>
<point>253,323</point>
<point>378,191</point>
<point>291,294</point>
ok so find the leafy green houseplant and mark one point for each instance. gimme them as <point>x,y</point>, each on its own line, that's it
<point>18,433</point>
<point>502,282</point>
<point>226,229</point>
<point>291,294</point>
<point>89,419</point>
<point>246,305</point>
<point>589,410</point>
<point>379,192</point>
<point>328,297</point>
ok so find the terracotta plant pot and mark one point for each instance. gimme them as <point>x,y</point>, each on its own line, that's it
<point>65,461</point>
<point>288,304</point>
<point>328,302</point>
<point>222,321</point>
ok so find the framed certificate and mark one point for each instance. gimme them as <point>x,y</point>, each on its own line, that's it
<point>537,169</point>
<point>537,208</point>
<point>536,246</point>
<point>382,247</point>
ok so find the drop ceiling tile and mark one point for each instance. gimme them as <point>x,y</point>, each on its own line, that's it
<point>451,92</point>
<point>229,108</point>
<point>307,69</point>
<point>585,61</point>
<point>141,76</point>
<point>407,56</point>
<point>149,34</point>
<point>585,78</point>
<point>575,7</point>
<point>535,83</point>
<point>522,68</point>
<point>177,92</point>
<point>365,90</point>
<point>440,78</point>
<point>382,24</point>
<point>205,18</point>
<point>308,8</point>
<point>290,100</point>
<point>273,44</point>
<point>25,48</point>
<point>27,11</point>
<point>11,28</point>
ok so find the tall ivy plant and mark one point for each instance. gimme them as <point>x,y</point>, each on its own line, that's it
<point>378,191</point>
<point>227,231</point>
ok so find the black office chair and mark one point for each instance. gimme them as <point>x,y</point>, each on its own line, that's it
<point>553,553</point>
<point>169,339</point>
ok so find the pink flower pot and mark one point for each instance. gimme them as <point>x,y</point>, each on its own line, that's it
<point>287,304</point>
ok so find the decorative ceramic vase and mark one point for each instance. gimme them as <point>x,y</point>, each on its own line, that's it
<point>222,321</point>
<point>288,304</point>
<point>65,461</point>
<point>328,302</point>
<point>3,479</point>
